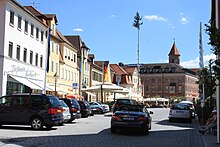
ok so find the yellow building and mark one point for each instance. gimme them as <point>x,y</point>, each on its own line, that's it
<point>68,69</point>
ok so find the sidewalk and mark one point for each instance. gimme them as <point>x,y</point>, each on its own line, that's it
<point>209,140</point>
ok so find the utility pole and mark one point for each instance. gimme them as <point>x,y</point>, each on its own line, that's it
<point>137,23</point>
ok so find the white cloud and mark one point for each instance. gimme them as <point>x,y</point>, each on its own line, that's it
<point>78,30</point>
<point>195,62</point>
<point>112,15</point>
<point>155,18</point>
<point>184,20</point>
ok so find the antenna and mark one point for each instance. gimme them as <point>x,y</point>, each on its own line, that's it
<point>34,3</point>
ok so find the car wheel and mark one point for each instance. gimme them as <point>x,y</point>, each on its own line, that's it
<point>113,130</point>
<point>190,120</point>
<point>49,126</point>
<point>101,111</point>
<point>36,123</point>
<point>170,119</point>
<point>146,131</point>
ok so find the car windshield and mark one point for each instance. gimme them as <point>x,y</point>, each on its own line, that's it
<point>180,107</point>
<point>63,103</point>
<point>123,101</point>
<point>135,108</point>
<point>54,101</point>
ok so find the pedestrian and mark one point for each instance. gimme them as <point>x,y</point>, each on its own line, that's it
<point>211,123</point>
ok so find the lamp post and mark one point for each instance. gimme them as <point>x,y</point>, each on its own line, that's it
<point>55,84</point>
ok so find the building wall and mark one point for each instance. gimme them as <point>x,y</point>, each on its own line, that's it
<point>68,71</point>
<point>170,85</point>
<point>18,37</point>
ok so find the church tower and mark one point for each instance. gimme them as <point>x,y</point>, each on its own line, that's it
<point>174,56</point>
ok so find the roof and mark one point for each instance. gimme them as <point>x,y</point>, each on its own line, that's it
<point>118,70</point>
<point>164,68</point>
<point>174,50</point>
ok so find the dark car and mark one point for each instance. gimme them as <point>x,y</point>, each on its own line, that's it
<point>37,110</point>
<point>122,101</point>
<point>74,108</point>
<point>85,108</point>
<point>131,117</point>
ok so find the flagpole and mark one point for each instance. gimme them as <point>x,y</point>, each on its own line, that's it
<point>46,60</point>
<point>201,65</point>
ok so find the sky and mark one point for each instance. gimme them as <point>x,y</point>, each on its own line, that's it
<point>106,26</point>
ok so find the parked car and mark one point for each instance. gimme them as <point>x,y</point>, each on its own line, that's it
<point>37,110</point>
<point>131,117</point>
<point>180,111</point>
<point>191,105</point>
<point>123,101</point>
<point>96,108</point>
<point>74,108</point>
<point>99,108</point>
<point>85,108</point>
<point>66,111</point>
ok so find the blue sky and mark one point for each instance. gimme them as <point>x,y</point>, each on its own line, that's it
<point>106,26</point>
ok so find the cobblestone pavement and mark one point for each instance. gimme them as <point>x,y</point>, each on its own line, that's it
<point>94,131</point>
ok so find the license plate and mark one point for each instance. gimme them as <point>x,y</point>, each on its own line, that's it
<point>128,118</point>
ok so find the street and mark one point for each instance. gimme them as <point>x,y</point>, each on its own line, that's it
<point>94,131</point>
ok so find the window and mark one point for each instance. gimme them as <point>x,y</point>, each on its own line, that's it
<point>12,15</point>
<point>56,67</point>
<point>74,59</point>
<point>52,66</point>
<point>41,61</point>
<point>19,22</point>
<point>57,48</point>
<point>32,30</point>
<point>42,36</point>
<point>37,33</point>
<point>180,89</point>
<point>62,73</point>
<point>10,49</point>
<point>52,46</point>
<point>31,57</point>
<point>18,53</point>
<point>53,29</point>
<point>25,55</point>
<point>26,26</point>
<point>36,59</point>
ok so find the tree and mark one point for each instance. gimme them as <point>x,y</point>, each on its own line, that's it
<point>214,41</point>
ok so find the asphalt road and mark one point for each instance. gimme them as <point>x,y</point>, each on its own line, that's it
<point>94,132</point>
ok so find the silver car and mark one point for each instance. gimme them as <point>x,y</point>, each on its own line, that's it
<point>66,111</point>
<point>180,111</point>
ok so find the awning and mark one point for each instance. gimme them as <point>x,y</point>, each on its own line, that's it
<point>89,93</point>
<point>27,82</point>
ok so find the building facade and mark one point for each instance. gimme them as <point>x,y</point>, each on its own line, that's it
<point>169,80</point>
<point>23,44</point>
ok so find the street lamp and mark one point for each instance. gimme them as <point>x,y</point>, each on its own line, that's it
<point>55,78</point>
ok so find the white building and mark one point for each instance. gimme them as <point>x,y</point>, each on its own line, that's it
<point>23,44</point>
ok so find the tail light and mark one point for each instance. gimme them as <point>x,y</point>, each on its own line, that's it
<point>117,118</point>
<point>55,111</point>
<point>142,119</point>
<point>73,110</point>
<point>64,110</point>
